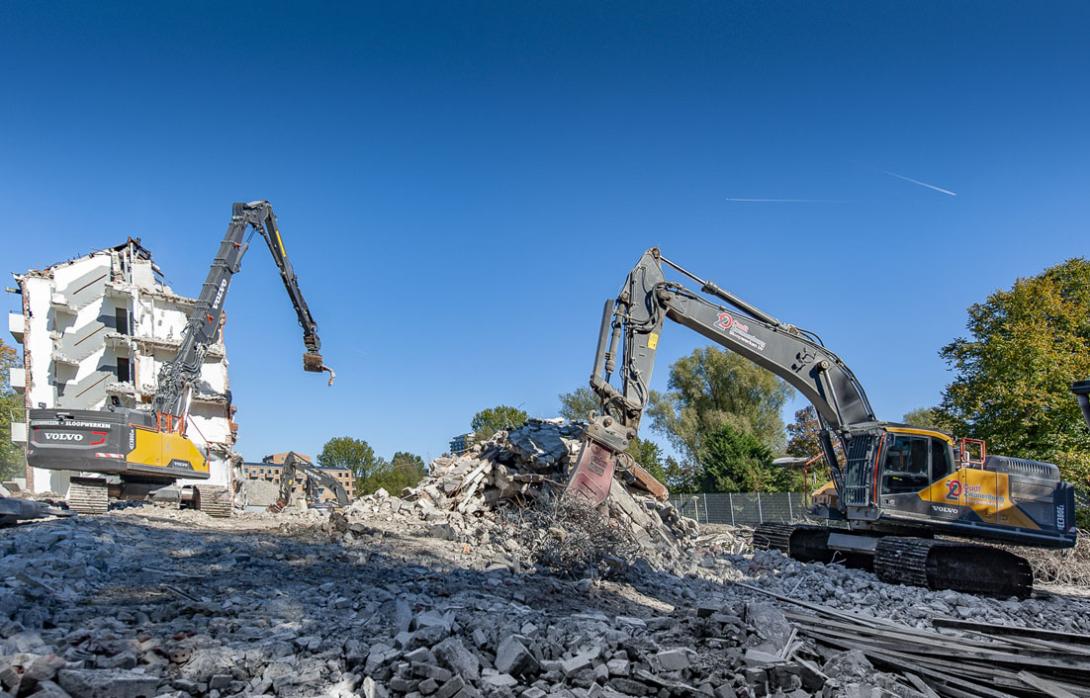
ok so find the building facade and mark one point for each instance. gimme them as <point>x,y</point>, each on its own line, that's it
<point>271,467</point>
<point>95,331</point>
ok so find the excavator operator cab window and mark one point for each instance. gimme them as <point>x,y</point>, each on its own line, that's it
<point>941,462</point>
<point>906,468</point>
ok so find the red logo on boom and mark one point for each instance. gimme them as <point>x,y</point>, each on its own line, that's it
<point>725,321</point>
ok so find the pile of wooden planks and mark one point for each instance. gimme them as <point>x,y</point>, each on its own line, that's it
<point>958,658</point>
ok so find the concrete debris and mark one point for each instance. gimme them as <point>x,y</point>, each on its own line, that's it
<point>504,496</point>
<point>158,602</point>
<point>437,593</point>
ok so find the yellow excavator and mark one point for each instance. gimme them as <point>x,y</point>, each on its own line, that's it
<point>897,486</point>
<point>135,454</point>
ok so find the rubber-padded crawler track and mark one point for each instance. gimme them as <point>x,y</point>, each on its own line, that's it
<point>944,564</point>
<point>88,496</point>
<point>213,500</point>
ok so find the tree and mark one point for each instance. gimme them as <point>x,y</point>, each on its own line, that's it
<point>649,455</point>
<point>734,460</point>
<point>1025,346</point>
<point>12,458</point>
<point>354,454</point>
<point>925,417</point>
<point>682,477</point>
<point>404,470</point>
<point>578,404</point>
<point>711,389</point>
<point>487,422</point>
<point>804,434</point>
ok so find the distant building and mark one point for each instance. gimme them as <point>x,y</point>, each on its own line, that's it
<point>95,331</point>
<point>270,468</point>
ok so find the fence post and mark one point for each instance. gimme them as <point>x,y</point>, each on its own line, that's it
<point>790,509</point>
<point>707,519</point>
<point>760,512</point>
<point>696,508</point>
<point>730,503</point>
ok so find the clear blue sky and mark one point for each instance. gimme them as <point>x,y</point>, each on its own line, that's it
<point>461,185</point>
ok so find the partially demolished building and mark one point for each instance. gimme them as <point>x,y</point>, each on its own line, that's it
<point>95,331</point>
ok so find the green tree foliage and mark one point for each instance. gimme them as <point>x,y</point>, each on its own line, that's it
<point>578,404</point>
<point>710,389</point>
<point>734,460</point>
<point>925,417</point>
<point>804,434</point>
<point>722,412</point>
<point>487,422</point>
<point>404,470</point>
<point>1025,346</point>
<point>354,454</point>
<point>12,457</point>
<point>683,477</point>
<point>649,455</point>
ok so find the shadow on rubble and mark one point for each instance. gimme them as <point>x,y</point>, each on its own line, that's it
<point>190,604</point>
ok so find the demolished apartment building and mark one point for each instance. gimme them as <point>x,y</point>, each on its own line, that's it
<point>95,331</point>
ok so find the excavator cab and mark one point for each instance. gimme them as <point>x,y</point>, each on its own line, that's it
<point>905,478</point>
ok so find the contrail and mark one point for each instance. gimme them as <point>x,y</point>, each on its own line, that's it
<point>922,184</point>
<point>742,200</point>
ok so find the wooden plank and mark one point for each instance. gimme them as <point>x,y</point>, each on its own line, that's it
<point>992,629</point>
<point>1047,687</point>
<point>906,662</point>
<point>939,645</point>
<point>920,685</point>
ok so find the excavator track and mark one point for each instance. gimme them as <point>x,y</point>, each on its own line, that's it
<point>88,496</point>
<point>944,564</point>
<point>213,500</point>
<point>803,542</point>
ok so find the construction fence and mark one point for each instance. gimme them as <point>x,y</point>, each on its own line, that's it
<point>741,508</point>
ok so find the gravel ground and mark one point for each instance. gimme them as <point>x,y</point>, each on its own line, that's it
<point>150,602</point>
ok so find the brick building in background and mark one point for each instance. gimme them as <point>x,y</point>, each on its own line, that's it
<point>270,468</point>
<point>95,331</point>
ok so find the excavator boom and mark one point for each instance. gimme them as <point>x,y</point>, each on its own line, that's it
<point>177,377</point>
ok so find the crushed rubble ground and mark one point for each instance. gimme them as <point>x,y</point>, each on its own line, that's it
<point>448,591</point>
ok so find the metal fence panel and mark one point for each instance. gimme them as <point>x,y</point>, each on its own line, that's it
<point>740,508</point>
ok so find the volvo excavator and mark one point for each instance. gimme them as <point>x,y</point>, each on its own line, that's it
<point>135,454</point>
<point>898,487</point>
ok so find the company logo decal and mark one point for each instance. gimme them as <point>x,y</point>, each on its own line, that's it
<point>738,330</point>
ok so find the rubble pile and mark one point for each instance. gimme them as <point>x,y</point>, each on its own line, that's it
<point>503,496</point>
<point>141,604</point>
<point>154,602</point>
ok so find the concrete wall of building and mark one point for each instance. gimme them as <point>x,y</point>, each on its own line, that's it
<point>83,319</point>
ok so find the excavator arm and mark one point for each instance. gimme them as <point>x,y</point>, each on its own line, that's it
<point>632,323</point>
<point>176,379</point>
<point>294,463</point>
<point>628,341</point>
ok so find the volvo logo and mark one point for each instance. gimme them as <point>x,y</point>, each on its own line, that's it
<point>64,436</point>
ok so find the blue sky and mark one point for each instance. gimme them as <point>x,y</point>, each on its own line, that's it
<point>461,185</point>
